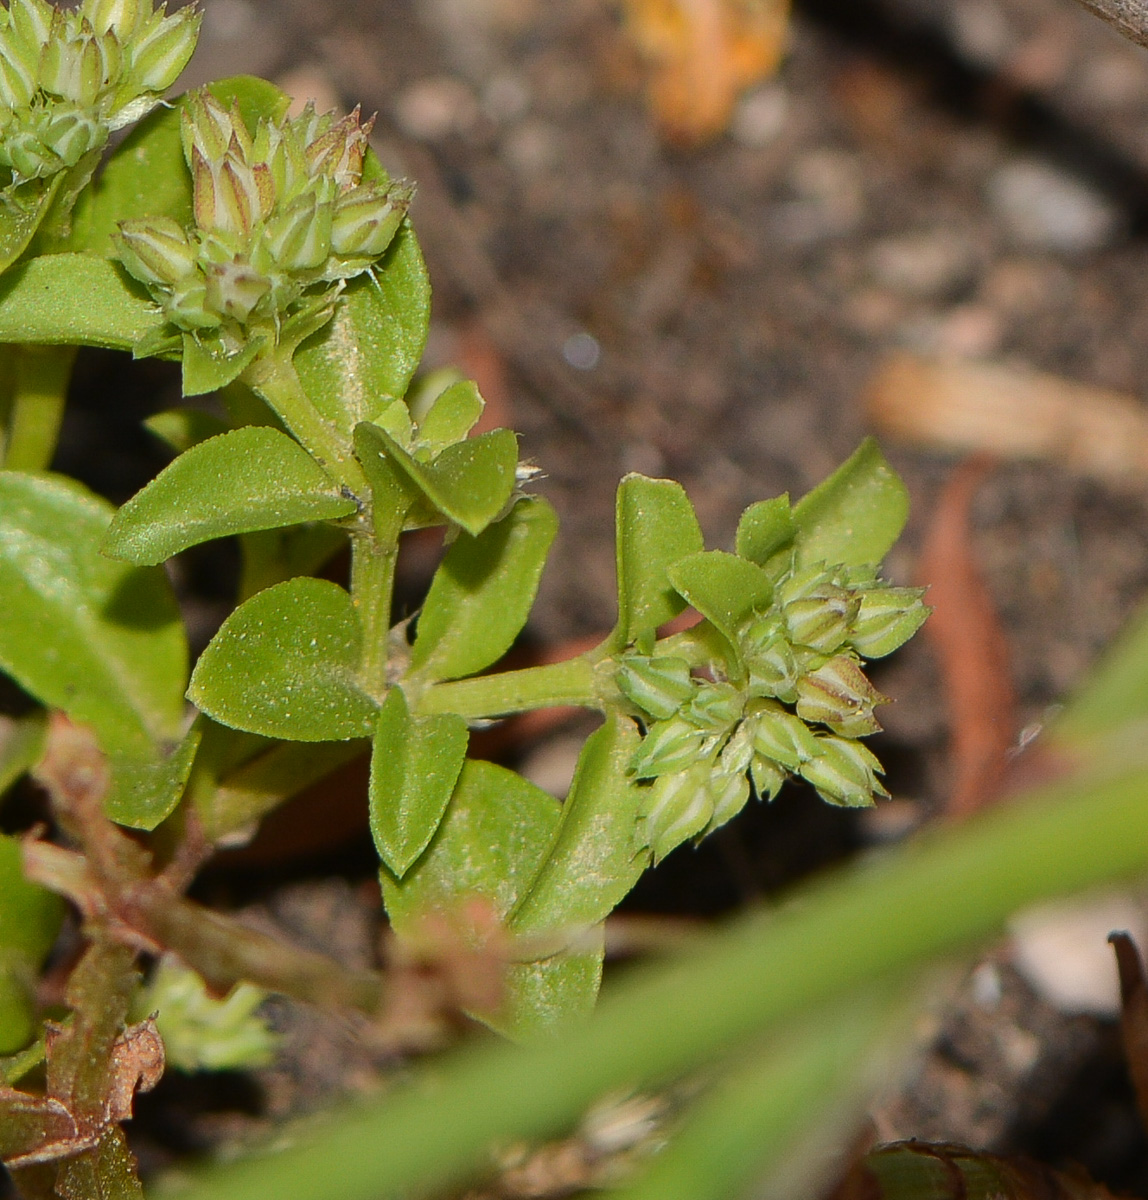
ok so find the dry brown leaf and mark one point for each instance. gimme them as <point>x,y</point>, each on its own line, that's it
<point>966,634</point>
<point>702,53</point>
<point>1010,413</point>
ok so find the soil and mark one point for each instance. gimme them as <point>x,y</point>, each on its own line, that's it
<point>713,315</point>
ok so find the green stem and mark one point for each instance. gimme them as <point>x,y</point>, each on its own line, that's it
<point>931,897</point>
<point>372,586</point>
<point>574,682</point>
<point>40,377</point>
<point>275,379</point>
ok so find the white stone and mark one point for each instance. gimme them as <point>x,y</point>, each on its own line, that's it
<point>1044,207</point>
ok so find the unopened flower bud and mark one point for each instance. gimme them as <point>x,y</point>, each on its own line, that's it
<point>29,28</point>
<point>821,620</point>
<point>770,660</point>
<point>155,250</point>
<point>657,686</point>
<point>888,618</point>
<point>677,807</point>
<point>28,157</point>
<point>367,220</point>
<point>234,289</point>
<point>804,583</point>
<point>187,306</point>
<point>120,16</point>
<point>338,151</point>
<point>205,125</point>
<point>767,777</point>
<point>667,747</point>
<point>728,794</point>
<point>72,134</point>
<point>839,695</point>
<point>716,705</point>
<point>17,80</point>
<point>162,48</point>
<point>736,754</point>
<point>782,737</point>
<point>844,773</point>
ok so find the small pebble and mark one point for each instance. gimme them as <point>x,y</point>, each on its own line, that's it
<point>1046,208</point>
<point>582,351</point>
<point>433,109</point>
<point>923,264</point>
<point>531,147</point>
<point>506,98</point>
<point>760,116</point>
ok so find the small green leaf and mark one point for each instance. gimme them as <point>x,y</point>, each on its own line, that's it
<point>77,300</point>
<point>284,665</point>
<point>543,997</point>
<point>30,918</point>
<point>591,865</point>
<point>366,356</point>
<point>855,515</point>
<point>239,482</point>
<point>145,792</point>
<point>452,415</point>
<point>21,745</point>
<point>415,763</point>
<point>182,428</point>
<point>469,482</point>
<point>765,528</point>
<point>21,213</point>
<point>490,843</point>
<point>97,638</point>
<point>655,527</point>
<point>203,372</point>
<point>393,492</point>
<point>725,589</point>
<point>482,593</point>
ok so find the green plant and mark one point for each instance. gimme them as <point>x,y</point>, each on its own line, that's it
<point>272,257</point>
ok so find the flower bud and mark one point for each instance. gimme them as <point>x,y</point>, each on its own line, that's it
<point>17,79</point>
<point>668,746</point>
<point>71,134</point>
<point>839,695</point>
<point>822,618</point>
<point>844,773</point>
<point>299,238</point>
<point>888,617</point>
<point>30,29</point>
<point>28,157</point>
<point>736,754</point>
<point>162,48</point>
<point>119,16</point>
<point>338,150</point>
<point>187,306</point>
<point>155,250</point>
<point>782,737</point>
<point>767,777</point>
<point>729,794</point>
<point>677,807</point>
<point>804,583</point>
<point>205,125</point>
<point>716,705</point>
<point>770,660</point>
<point>657,686</point>
<point>234,289</point>
<point>367,220</point>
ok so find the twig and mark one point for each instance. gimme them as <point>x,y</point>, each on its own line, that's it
<point>1130,17</point>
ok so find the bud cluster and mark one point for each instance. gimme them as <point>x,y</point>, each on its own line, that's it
<point>281,217</point>
<point>69,77</point>
<point>708,739</point>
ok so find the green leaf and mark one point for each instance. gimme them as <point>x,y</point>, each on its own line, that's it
<point>725,589</point>
<point>21,213</point>
<point>77,300</point>
<point>469,482</point>
<point>367,354</point>
<point>21,745</point>
<point>591,865</point>
<point>415,762</point>
<point>482,593</point>
<point>257,99</point>
<point>182,428</point>
<point>30,918</point>
<point>855,515</point>
<point>239,482</point>
<point>99,639</point>
<point>452,415</point>
<point>490,843</point>
<point>144,176</point>
<point>145,792</point>
<point>284,665</point>
<point>489,846</point>
<point>764,529</point>
<point>655,527</point>
<point>203,372</point>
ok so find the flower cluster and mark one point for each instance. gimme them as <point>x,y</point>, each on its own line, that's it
<point>753,720</point>
<point>281,217</point>
<point>69,77</point>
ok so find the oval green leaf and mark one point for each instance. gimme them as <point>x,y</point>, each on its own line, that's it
<point>725,589</point>
<point>284,665</point>
<point>765,528</point>
<point>75,300</point>
<point>655,526</point>
<point>145,792</point>
<point>855,515</point>
<point>99,639</point>
<point>238,482</point>
<point>415,762</point>
<point>366,356</point>
<point>482,593</point>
